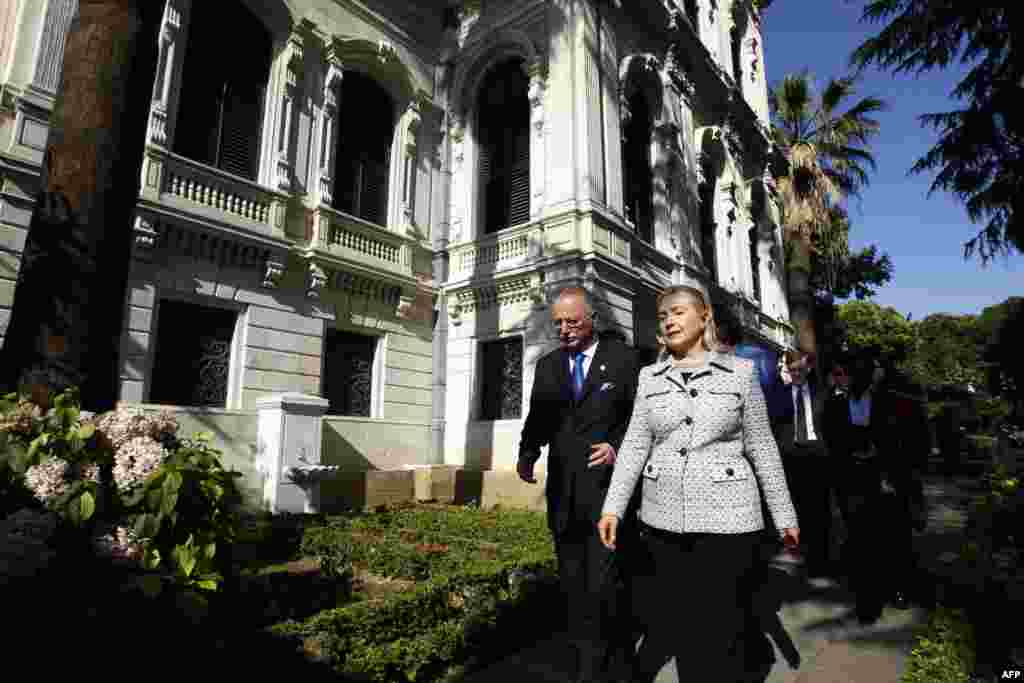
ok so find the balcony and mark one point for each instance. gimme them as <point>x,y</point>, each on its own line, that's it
<point>355,242</point>
<point>182,185</point>
<point>507,249</point>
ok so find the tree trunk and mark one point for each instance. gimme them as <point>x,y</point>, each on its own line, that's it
<point>81,227</point>
<point>801,298</point>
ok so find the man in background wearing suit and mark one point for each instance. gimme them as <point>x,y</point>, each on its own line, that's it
<point>580,407</point>
<point>804,457</point>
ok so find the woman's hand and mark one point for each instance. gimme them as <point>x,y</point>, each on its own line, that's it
<point>607,527</point>
<point>791,537</point>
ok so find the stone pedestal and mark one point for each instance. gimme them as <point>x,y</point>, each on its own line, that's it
<point>290,435</point>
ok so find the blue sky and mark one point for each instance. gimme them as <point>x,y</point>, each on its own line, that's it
<point>923,236</point>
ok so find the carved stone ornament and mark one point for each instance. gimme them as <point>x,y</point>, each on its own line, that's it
<point>273,271</point>
<point>145,234</point>
<point>316,281</point>
<point>405,309</point>
<point>454,311</point>
<point>386,52</point>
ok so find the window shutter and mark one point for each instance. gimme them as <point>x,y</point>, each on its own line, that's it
<point>519,190</point>
<point>373,195</point>
<point>240,132</point>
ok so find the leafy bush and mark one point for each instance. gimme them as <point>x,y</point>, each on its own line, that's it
<point>484,577</point>
<point>126,480</point>
<point>945,652</point>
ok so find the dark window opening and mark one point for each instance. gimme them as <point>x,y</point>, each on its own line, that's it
<point>502,379</point>
<point>193,355</point>
<point>348,373</point>
<point>637,174</point>
<point>755,263</point>
<point>504,147</point>
<point>365,128</point>
<point>222,94</point>
<point>737,55</point>
<point>707,229</point>
<point>693,14</point>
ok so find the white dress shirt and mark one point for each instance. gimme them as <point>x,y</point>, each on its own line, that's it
<point>588,358</point>
<point>801,392</point>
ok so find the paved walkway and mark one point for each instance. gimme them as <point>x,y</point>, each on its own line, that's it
<point>819,640</point>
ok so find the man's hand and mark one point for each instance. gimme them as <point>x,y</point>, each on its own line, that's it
<point>525,470</point>
<point>601,454</point>
<point>607,527</point>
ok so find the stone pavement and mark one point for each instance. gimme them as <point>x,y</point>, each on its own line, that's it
<point>817,641</point>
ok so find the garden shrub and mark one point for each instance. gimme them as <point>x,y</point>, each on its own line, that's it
<point>125,479</point>
<point>945,651</point>
<point>475,598</point>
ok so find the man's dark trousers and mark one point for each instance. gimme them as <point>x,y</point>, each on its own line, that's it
<point>575,493</point>
<point>810,481</point>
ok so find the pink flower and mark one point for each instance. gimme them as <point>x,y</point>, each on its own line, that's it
<point>48,479</point>
<point>135,460</point>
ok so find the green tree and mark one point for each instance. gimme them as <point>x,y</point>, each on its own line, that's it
<point>949,350</point>
<point>980,152</point>
<point>867,327</point>
<point>827,160</point>
<point>1003,349</point>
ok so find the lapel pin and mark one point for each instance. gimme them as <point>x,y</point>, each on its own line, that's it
<point>602,368</point>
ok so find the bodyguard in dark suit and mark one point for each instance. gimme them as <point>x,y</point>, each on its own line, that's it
<point>580,407</point>
<point>801,438</point>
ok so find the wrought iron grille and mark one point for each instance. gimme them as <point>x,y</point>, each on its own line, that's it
<point>193,355</point>
<point>502,379</point>
<point>348,373</point>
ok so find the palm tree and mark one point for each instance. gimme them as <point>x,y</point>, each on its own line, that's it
<point>827,161</point>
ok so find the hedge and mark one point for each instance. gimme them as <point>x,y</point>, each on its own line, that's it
<point>945,651</point>
<point>474,600</point>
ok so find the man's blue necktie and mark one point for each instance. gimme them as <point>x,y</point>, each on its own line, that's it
<point>577,375</point>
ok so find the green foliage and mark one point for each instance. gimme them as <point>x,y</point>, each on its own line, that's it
<point>467,602</point>
<point>945,651</point>
<point>870,328</point>
<point>29,437</point>
<point>185,514</point>
<point>1003,348</point>
<point>948,351</point>
<point>979,153</point>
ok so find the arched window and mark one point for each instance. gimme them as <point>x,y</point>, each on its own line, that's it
<point>637,174</point>
<point>503,125</point>
<point>365,128</point>
<point>222,93</point>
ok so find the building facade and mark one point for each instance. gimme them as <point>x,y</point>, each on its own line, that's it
<point>375,201</point>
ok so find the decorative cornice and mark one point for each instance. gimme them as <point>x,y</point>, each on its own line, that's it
<point>273,271</point>
<point>504,292</point>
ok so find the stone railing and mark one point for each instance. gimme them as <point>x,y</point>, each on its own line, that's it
<point>496,252</point>
<point>361,242</point>
<point>184,184</point>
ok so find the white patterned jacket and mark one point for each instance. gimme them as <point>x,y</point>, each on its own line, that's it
<point>698,447</point>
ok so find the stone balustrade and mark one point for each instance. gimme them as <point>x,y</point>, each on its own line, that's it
<point>496,252</point>
<point>361,242</point>
<point>186,185</point>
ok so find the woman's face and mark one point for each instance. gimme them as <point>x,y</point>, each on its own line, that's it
<point>681,322</point>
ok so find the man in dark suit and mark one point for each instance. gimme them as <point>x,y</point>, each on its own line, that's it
<point>580,407</point>
<point>801,439</point>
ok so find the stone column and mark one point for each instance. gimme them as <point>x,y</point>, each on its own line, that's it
<point>589,123</point>
<point>59,14</point>
<point>538,165</point>
<point>167,87</point>
<point>412,121</point>
<point>90,179</point>
<point>329,125</point>
<point>289,434</point>
<point>284,156</point>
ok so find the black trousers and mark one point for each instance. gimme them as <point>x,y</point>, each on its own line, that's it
<point>695,603</point>
<point>811,479</point>
<point>595,586</point>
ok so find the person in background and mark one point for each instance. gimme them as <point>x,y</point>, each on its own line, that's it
<point>700,443</point>
<point>580,404</point>
<point>805,456</point>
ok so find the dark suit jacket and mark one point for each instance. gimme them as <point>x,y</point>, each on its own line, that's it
<point>786,423</point>
<point>574,491</point>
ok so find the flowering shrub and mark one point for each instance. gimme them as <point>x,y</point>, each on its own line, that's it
<point>168,504</point>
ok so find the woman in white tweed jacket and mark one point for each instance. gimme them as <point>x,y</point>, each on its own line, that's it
<point>700,442</point>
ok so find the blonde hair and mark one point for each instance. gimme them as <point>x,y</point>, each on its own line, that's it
<point>710,338</point>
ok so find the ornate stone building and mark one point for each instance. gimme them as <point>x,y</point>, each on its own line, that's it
<point>374,201</point>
